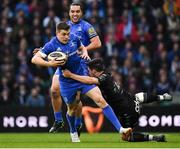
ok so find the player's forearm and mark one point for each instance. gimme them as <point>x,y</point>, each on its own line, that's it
<point>95,44</point>
<point>39,61</point>
<point>84,79</point>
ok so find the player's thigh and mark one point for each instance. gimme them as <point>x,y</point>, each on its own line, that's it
<point>96,95</point>
<point>55,87</point>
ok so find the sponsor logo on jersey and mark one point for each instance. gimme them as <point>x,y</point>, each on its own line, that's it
<point>79,29</point>
<point>91,31</point>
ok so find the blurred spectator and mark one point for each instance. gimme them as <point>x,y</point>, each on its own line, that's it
<point>22,6</point>
<point>126,29</point>
<point>5,98</point>
<point>173,22</point>
<point>128,48</point>
<point>132,84</point>
<point>170,6</point>
<point>51,20</point>
<point>127,68</point>
<point>147,80</point>
<point>20,30</point>
<point>110,44</point>
<point>175,51</point>
<point>176,81</point>
<point>94,8</point>
<point>35,99</point>
<point>21,95</point>
<point>34,6</point>
<point>163,85</point>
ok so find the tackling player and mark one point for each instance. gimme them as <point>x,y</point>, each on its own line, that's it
<point>124,104</point>
<point>70,44</point>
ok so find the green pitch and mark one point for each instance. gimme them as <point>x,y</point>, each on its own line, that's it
<point>62,140</point>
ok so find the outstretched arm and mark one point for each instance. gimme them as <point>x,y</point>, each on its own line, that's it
<point>83,79</point>
<point>83,52</point>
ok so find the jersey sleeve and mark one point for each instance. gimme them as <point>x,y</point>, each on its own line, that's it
<point>102,79</point>
<point>90,31</point>
<point>48,48</point>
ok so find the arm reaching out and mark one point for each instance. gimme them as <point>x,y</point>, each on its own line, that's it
<point>83,52</point>
<point>83,79</point>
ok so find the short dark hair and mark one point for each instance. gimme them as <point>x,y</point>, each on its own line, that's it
<point>62,26</point>
<point>76,4</point>
<point>97,64</point>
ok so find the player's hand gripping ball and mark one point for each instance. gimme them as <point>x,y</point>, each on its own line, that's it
<point>57,56</point>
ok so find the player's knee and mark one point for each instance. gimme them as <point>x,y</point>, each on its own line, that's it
<point>55,93</point>
<point>100,101</point>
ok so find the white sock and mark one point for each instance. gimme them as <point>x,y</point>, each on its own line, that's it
<point>150,137</point>
<point>122,130</point>
<point>161,97</point>
<point>140,97</point>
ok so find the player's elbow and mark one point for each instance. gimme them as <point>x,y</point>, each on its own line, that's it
<point>33,60</point>
<point>99,44</point>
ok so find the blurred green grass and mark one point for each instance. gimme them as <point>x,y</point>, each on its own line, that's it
<point>62,140</point>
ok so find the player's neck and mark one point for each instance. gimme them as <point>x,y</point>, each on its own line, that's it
<point>76,22</point>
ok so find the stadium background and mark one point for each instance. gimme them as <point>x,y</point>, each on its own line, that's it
<point>140,47</point>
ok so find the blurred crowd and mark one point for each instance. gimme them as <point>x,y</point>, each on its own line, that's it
<point>141,45</point>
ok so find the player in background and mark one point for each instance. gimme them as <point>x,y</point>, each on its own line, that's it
<point>89,38</point>
<point>124,104</point>
<point>70,44</point>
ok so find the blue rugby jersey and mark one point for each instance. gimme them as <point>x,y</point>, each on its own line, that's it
<point>74,63</point>
<point>83,30</point>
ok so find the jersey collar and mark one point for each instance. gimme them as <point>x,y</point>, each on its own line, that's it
<point>77,22</point>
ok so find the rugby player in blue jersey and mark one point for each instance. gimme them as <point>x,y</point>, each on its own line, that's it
<point>89,38</point>
<point>71,44</point>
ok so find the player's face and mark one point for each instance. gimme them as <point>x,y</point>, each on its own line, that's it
<point>75,13</point>
<point>63,36</point>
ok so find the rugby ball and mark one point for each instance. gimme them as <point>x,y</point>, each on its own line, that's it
<point>57,56</point>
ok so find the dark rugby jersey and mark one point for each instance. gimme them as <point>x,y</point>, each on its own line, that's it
<point>122,102</point>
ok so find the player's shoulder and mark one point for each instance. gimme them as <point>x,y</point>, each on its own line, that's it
<point>53,40</point>
<point>50,42</point>
<point>85,23</point>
